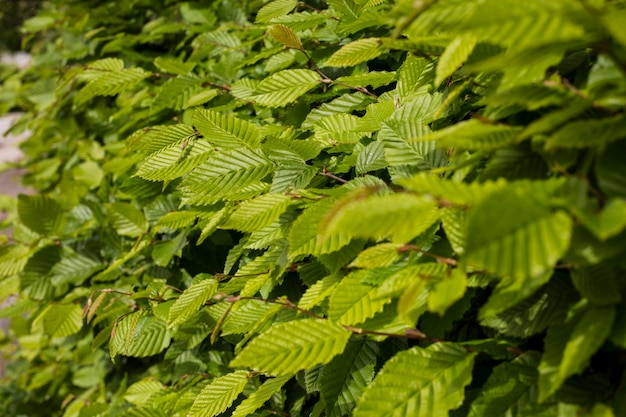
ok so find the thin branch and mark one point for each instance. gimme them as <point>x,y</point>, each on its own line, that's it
<point>329,174</point>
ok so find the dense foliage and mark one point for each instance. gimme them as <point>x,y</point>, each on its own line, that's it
<point>341,207</point>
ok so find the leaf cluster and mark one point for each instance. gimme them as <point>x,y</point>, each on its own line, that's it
<point>349,207</point>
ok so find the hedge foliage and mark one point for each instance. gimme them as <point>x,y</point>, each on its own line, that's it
<point>341,207</point>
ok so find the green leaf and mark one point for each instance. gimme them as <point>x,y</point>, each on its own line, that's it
<point>454,56</point>
<point>345,378</point>
<point>176,92</point>
<point>356,52</point>
<point>508,388</point>
<point>399,216</point>
<point>286,36</point>
<point>352,301</point>
<point>127,219</point>
<point>511,234</point>
<point>589,133</point>
<point>226,173</point>
<point>305,237</point>
<point>260,396</point>
<point>257,213</point>
<point>216,397</point>
<point>533,315</point>
<point>59,320</point>
<point>288,347</point>
<point>110,83</point>
<point>225,131</point>
<point>284,87</point>
<point>139,334</point>
<point>41,214</point>
<point>380,255</point>
<point>275,9</point>
<point>175,160</point>
<point>419,382</point>
<point>569,346</point>
<point>475,135</point>
<point>190,301</point>
<point>302,20</point>
<point>598,283</point>
<point>447,291</point>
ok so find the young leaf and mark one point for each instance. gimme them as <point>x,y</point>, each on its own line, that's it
<point>454,56</point>
<point>289,347</point>
<point>139,334</point>
<point>356,52</point>
<point>286,36</point>
<point>216,397</point>
<point>510,234</point>
<point>255,214</point>
<point>399,216</point>
<point>275,9</point>
<point>352,301</point>
<point>226,131</point>
<point>419,382</point>
<point>284,87</point>
<point>190,301</point>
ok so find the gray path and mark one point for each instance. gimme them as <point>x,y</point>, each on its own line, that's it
<point>9,154</point>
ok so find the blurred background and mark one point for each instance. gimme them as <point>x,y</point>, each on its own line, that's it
<point>12,14</point>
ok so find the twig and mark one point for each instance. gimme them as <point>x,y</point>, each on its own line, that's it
<point>329,174</point>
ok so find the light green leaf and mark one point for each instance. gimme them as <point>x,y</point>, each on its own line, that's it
<point>475,135</point>
<point>355,52</point>
<point>190,301</point>
<point>513,235</point>
<point>319,291</point>
<point>255,214</point>
<point>289,347</point>
<point>302,20</point>
<point>569,346</point>
<point>111,83</point>
<point>284,87</point>
<point>226,131</point>
<point>419,382</point>
<point>447,291</point>
<point>226,173</point>
<point>305,235</point>
<point>380,255</point>
<point>175,160</point>
<point>260,396</point>
<point>216,397</point>
<point>374,79</point>
<point>399,216</point>
<point>352,301</point>
<point>454,56</point>
<point>139,334</point>
<point>275,9</point>
<point>59,320</point>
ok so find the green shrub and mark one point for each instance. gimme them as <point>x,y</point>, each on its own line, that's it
<point>350,207</point>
